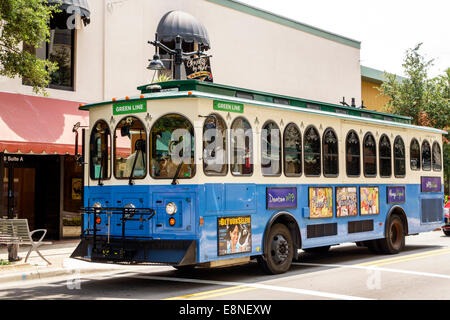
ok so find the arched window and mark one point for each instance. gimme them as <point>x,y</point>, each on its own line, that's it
<point>130,149</point>
<point>270,149</point>
<point>370,155</point>
<point>292,151</point>
<point>215,146</point>
<point>352,154</point>
<point>385,157</point>
<point>426,156</point>
<point>100,151</point>
<point>241,147</point>
<point>172,148</point>
<point>414,154</point>
<point>399,158</point>
<point>312,153</point>
<point>330,153</point>
<point>436,158</point>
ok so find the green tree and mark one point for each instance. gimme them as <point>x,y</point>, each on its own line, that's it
<point>25,21</point>
<point>425,100</point>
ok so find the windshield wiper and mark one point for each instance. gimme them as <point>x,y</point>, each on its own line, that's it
<point>175,177</point>
<point>140,147</point>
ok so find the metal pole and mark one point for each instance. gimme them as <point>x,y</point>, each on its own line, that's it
<point>178,58</point>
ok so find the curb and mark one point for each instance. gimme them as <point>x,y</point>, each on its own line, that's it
<point>45,274</point>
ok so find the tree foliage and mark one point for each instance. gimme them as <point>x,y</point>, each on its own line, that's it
<point>426,101</point>
<point>25,21</point>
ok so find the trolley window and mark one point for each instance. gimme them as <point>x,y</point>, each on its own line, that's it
<point>241,147</point>
<point>385,157</point>
<point>436,157</point>
<point>312,153</point>
<point>369,155</point>
<point>215,146</point>
<point>100,151</point>
<point>414,152</point>
<point>352,154</point>
<point>172,148</point>
<point>292,151</point>
<point>426,156</point>
<point>129,149</point>
<point>270,149</point>
<point>399,158</point>
<point>330,154</point>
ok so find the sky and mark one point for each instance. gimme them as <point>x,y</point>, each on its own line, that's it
<point>385,28</point>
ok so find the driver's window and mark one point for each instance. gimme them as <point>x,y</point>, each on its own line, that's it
<point>130,149</point>
<point>172,148</point>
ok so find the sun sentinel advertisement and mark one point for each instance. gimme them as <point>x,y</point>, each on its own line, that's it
<point>234,235</point>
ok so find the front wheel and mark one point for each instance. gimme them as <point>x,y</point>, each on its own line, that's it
<point>394,241</point>
<point>447,232</point>
<point>278,251</point>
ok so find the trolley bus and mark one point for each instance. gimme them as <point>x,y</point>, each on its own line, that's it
<point>192,173</point>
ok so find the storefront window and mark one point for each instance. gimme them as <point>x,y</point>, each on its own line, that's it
<point>172,148</point>
<point>130,149</point>
<point>59,49</point>
<point>100,151</point>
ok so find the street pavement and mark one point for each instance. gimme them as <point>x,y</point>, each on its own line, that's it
<point>347,272</point>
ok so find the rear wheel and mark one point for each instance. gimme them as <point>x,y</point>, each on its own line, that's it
<point>394,241</point>
<point>278,251</point>
<point>447,232</point>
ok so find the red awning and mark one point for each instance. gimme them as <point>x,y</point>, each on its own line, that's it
<point>38,125</point>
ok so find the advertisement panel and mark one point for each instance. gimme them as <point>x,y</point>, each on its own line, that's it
<point>320,202</point>
<point>234,235</point>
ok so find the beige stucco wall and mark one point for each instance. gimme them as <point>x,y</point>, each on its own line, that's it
<point>112,53</point>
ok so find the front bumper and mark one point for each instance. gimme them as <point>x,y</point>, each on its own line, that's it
<point>118,250</point>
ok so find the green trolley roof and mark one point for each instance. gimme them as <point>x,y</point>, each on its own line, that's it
<point>175,89</point>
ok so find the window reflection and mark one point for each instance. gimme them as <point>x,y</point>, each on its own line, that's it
<point>130,149</point>
<point>172,148</point>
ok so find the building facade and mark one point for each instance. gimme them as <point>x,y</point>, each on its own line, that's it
<point>103,53</point>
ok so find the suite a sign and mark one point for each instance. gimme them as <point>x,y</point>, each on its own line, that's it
<point>129,107</point>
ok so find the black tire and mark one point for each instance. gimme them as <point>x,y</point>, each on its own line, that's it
<point>278,251</point>
<point>447,232</point>
<point>394,240</point>
<point>318,250</point>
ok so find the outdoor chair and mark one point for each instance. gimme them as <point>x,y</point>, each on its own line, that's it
<point>14,231</point>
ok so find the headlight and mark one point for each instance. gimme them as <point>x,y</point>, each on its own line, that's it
<point>97,205</point>
<point>171,208</point>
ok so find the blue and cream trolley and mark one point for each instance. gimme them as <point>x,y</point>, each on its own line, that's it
<point>199,174</point>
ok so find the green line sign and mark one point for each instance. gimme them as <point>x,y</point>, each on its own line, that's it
<point>228,106</point>
<point>130,107</point>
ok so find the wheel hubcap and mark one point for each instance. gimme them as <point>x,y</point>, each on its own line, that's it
<point>279,249</point>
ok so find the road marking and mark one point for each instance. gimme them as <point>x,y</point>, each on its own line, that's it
<point>382,262</point>
<point>375,268</point>
<point>256,286</point>
<point>188,296</point>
